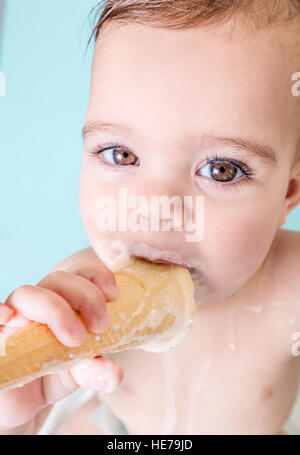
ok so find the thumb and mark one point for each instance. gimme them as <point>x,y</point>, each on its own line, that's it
<point>97,373</point>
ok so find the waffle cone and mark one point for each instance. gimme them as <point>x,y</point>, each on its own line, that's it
<point>153,312</point>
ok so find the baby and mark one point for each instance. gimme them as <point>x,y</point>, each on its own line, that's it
<point>199,99</point>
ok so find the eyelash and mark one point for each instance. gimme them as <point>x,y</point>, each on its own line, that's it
<point>242,165</point>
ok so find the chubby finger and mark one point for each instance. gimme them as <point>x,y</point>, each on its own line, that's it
<point>14,323</point>
<point>11,317</point>
<point>6,313</point>
<point>47,307</point>
<point>100,275</point>
<point>7,331</point>
<point>82,295</point>
<point>98,373</point>
<point>17,320</point>
<point>89,373</point>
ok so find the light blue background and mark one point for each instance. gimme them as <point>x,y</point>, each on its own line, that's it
<point>41,117</point>
<point>47,88</point>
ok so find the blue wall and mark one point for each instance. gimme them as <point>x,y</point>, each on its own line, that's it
<point>47,87</point>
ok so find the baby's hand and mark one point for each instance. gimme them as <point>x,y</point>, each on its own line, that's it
<point>84,288</point>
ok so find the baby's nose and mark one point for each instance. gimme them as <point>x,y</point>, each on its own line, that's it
<point>164,221</point>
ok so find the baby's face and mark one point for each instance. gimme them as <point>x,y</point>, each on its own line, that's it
<point>195,113</point>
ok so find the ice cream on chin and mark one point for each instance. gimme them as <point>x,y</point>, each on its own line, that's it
<point>153,312</point>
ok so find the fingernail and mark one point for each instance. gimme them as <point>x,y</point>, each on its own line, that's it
<point>112,291</point>
<point>110,388</point>
<point>101,322</point>
<point>77,330</point>
<point>102,383</point>
<point>106,320</point>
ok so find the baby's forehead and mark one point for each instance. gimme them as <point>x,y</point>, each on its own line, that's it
<point>137,65</point>
<point>276,45</point>
<point>132,51</point>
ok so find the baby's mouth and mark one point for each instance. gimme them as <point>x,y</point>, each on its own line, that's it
<point>122,253</point>
<point>197,278</point>
<point>159,255</point>
<point>163,261</point>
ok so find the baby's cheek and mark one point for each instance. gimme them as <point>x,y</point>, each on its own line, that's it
<point>87,205</point>
<point>94,211</point>
<point>237,245</point>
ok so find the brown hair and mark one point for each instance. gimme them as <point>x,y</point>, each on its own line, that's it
<point>187,14</point>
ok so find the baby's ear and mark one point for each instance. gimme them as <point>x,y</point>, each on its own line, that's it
<point>292,197</point>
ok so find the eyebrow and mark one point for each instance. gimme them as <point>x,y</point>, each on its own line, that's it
<point>97,126</point>
<point>262,151</point>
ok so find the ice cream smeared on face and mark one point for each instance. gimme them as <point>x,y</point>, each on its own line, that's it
<point>114,255</point>
<point>199,285</point>
<point>155,254</point>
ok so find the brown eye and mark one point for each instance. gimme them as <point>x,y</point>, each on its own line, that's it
<point>119,156</point>
<point>223,172</point>
<point>124,157</point>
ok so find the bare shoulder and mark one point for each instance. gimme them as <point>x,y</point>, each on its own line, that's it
<point>87,255</point>
<point>283,288</point>
<point>283,268</point>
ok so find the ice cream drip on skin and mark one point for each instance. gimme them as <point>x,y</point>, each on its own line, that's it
<point>115,257</point>
<point>194,392</point>
<point>173,401</point>
<point>280,303</point>
<point>232,345</point>
<point>170,417</point>
<point>170,410</point>
<point>172,371</point>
